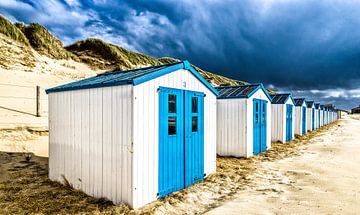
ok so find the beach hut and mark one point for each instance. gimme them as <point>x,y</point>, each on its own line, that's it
<point>133,136</point>
<point>282,118</point>
<point>322,115</point>
<point>300,116</point>
<point>310,115</point>
<point>244,120</point>
<point>326,117</point>
<point>317,115</point>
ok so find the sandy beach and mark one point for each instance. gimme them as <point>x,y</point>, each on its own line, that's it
<point>323,180</point>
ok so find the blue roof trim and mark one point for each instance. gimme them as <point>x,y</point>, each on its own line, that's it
<point>134,77</point>
<point>259,86</point>
<point>313,104</point>
<point>187,66</point>
<point>288,96</point>
<point>304,101</point>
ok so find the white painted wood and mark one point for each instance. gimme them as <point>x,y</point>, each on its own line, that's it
<point>309,119</point>
<point>278,123</point>
<point>231,129</point>
<point>298,115</point>
<point>87,147</point>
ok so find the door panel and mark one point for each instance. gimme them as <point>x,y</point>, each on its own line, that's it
<point>256,127</point>
<point>171,141</point>
<point>313,119</point>
<point>259,126</point>
<point>289,109</point>
<point>304,120</point>
<point>194,138</point>
<point>263,125</point>
<point>181,139</point>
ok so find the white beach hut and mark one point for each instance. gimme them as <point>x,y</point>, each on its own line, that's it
<point>310,115</point>
<point>282,118</point>
<point>300,116</point>
<point>133,136</point>
<point>244,120</point>
<point>317,115</point>
<point>321,115</point>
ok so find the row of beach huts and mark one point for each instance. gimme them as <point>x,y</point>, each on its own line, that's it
<point>138,135</point>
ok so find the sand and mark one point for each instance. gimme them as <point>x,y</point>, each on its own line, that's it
<point>255,178</point>
<point>323,180</point>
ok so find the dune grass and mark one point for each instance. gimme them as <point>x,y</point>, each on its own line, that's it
<point>10,30</point>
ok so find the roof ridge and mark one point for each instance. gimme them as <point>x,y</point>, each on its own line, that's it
<point>136,69</point>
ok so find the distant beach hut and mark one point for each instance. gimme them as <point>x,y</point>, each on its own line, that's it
<point>300,116</point>
<point>310,119</point>
<point>133,136</point>
<point>317,115</point>
<point>244,120</point>
<point>282,118</point>
<point>322,115</point>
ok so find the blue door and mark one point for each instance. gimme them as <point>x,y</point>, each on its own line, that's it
<point>289,113</point>
<point>171,141</point>
<point>319,118</point>
<point>303,120</point>
<point>181,139</point>
<point>313,119</point>
<point>194,138</point>
<point>263,125</point>
<point>259,126</point>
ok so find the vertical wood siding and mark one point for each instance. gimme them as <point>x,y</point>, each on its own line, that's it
<point>231,127</point>
<point>90,141</point>
<point>146,135</point>
<point>278,123</point>
<point>309,119</point>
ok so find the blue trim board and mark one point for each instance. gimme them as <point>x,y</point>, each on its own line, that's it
<point>134,77</point>
<point>302,103</point>
<point>280,98</point>
<point>239,95</point>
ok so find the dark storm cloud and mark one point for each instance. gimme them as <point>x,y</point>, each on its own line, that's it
<point>294,45</point>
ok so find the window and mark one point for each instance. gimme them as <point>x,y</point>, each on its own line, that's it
<point>194,124</point>
<point>172,103</point>
<point>257,107</point>
<point>172,125</point>
<point>194,105</point>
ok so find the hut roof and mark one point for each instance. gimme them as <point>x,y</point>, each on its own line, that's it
<point>240,91</point>
<point>134,77</point>
<point>299,101</point>
<point>281,98</point>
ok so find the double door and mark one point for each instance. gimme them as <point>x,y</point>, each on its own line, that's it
<point>181,139</point>
<point>289,122</point>
<point>259,126</point>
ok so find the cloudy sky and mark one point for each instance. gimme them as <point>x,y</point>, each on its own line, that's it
<point>310,48</point>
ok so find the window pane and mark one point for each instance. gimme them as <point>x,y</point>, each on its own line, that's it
<point>172,103</point>
<point>172,125</point>
<point>194,104</point>
<point>257,107</point>
<point>194,124</point>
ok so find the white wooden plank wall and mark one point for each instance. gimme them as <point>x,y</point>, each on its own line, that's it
<point>90,141</point>
<point>308,119</point>
<point>231,132</point>
<point>277,123</point>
